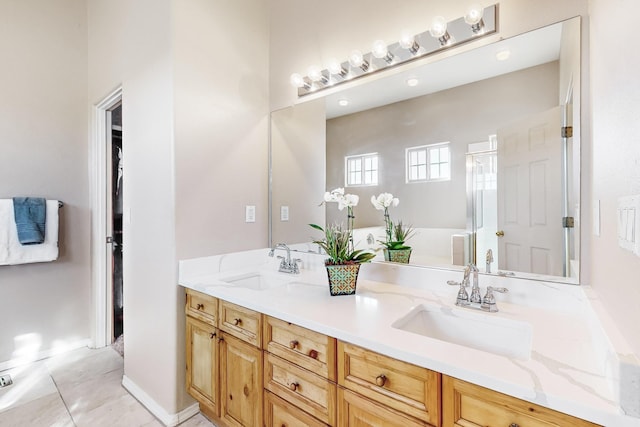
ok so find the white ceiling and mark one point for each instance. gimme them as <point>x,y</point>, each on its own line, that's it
<point>527,50</point>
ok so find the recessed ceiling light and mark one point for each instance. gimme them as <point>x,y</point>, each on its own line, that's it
<point>343,102</point>
<point>412,81</point>
<point>503,55</point>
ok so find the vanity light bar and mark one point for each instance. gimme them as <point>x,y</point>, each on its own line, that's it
<point>457,32</point>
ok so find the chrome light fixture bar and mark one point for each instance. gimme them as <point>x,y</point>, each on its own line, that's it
<point>476,23</point>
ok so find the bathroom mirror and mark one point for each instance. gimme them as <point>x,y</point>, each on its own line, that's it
<point>509,176</point>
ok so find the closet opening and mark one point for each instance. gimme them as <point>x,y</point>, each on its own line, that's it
<point>115,234</point>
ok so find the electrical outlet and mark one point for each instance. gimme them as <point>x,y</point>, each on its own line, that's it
<point>5,380</point>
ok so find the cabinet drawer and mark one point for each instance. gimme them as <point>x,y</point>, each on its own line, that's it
<point>469,405</point>
<point>280,413</point>
<point>241,322</point>
<point>398,385</point>
<point>306,390</point>
<point>357,411</point>
<point>202,307</point>
<point>311,350</point>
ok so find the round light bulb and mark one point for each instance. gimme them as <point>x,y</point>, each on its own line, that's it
<point>296,80</point>
<point>315,73</point>
<point>334,66</point>
<point>412,81</point>
<point>407,40</point>
<point>474,14</point>
<point>379,49</point>
<point>438,27</point>
<point>356,59</point>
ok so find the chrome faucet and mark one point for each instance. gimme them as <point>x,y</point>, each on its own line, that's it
<point>489,260</point>
<point>287,265</point>
<point>475,301</point>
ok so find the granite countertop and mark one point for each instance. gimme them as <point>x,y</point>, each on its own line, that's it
<point>564,371</point>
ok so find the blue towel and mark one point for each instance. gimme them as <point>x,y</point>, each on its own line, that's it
<point>30,214</point>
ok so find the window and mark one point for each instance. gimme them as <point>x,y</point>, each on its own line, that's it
<point>428,163</point>
<point>361,170</point>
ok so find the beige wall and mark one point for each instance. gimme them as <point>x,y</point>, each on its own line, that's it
<point>460,116</point>
<point>221,125</point>
<point>615,107</point>
<point>43,123</point>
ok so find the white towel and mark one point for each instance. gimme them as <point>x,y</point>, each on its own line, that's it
<point>12,252</point>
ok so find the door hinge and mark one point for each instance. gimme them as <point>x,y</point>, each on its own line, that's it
<point>567,222</point>
<point>109,239</point>
<point>566,131</point>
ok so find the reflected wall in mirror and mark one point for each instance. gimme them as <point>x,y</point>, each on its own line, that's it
<point>512,177</point>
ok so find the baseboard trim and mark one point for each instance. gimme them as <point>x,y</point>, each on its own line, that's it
<point>170,420</point>
<point>44,354</point>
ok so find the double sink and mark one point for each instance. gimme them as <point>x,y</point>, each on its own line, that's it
<point>487,332</point>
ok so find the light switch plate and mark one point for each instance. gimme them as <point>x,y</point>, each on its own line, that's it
<point>629,223</point>
<point>250,213</point>
<point>284,213</point>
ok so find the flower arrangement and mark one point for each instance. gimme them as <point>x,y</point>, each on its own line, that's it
<point>395,234</point>
<point>337,241</point>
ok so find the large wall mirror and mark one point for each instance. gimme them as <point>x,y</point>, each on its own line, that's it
<point>482,148</point>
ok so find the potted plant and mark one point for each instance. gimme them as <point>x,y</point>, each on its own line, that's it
<point>343,262</point>
<point>397,234</point>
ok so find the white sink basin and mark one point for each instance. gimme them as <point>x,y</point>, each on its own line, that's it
<point>258,281</point>
<point>464,327</point>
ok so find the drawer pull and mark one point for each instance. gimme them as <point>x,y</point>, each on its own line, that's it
<point>380,380</point>
<point>514,425</point>
<point>200,306</point>
<point>293,386</point>
<point>293,344</point>
<point>212,335</point>
<point>313,354</point>
<point>237,321</point>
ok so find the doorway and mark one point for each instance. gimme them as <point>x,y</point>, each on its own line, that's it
<point>107,209</point>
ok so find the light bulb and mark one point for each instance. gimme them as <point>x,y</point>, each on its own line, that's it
<point>296,80</point>
<point>439,30</point>
<point>355,58</point>
<point>474,14</point>
<point>408,41</point>
<point>379,49</point>
<point>335,67</point>
<point>412,81</point>
<point>314,73</point>
<point>503,55</point>
<point>343,102</point>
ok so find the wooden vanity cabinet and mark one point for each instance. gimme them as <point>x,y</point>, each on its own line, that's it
<point>469,405</point>
<point>398,386</point>
<point>240,382</point>
<point>202,365</point>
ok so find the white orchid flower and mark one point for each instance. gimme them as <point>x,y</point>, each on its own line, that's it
<point>334,195</point>
<point>384,200</point>
<point>348,201</point>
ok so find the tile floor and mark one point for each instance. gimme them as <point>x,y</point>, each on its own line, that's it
<point>79,388</point>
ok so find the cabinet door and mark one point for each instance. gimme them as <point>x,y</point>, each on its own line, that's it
<point>202,365</point>
<point>357,411</point>
<point>469,405</point>
<point>240,382</point>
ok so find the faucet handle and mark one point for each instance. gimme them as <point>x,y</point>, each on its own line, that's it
<point>294,265</point>
<point>463,297</point>
<point>489,300</point>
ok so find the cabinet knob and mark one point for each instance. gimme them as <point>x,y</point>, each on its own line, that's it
<point>212,335</point>
<point>514,425</point>
<point>500,233</point>
<point>237,321</point>
<point>199,306</point>
<point>381,379</point>
<point>293,386</point>
<point>313,354</point>
<point>293,344</point>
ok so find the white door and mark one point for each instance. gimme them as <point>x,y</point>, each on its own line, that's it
<point>529,195</point>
